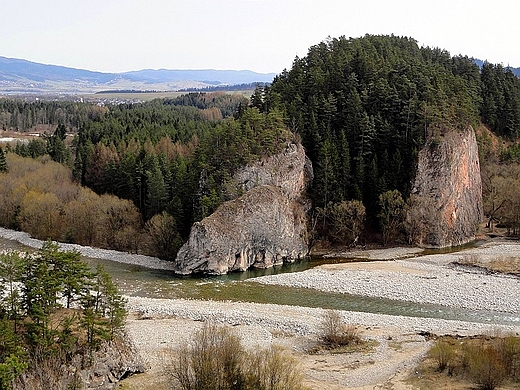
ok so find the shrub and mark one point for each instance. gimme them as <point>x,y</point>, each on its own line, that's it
<point>485,366</point>
<point>443,353</point>
<point>347,221</point>
<point>211,361</point>
<point>509,351</point>
<point>488,361</point>
<point>335,333</point>
<point>272,369</point>
<point>216,360</point>
<point>10,368</point>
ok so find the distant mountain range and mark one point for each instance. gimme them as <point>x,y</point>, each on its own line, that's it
<point>21,76</point>
<point>516,71</point>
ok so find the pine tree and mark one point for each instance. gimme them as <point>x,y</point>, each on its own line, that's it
<point>103,309</point>
<point>40,293</point>
<point>3,162</point>
<point>11,268</point>
<point>157,191</point>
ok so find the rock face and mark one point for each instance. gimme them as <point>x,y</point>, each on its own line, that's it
<point>447,190</point>
<point>265,226</point>
<point>290,171</point>
<point>100,370</point>
<point>114,362</point>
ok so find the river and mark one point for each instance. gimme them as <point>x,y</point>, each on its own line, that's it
<point>139,281</point>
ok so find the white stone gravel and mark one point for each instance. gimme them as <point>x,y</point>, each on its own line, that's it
<point>296,319</point>
<point>428,279</point>
<point>423,279</point>
<point>105,254</point>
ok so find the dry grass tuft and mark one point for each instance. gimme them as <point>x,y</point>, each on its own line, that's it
<point>461,363</point>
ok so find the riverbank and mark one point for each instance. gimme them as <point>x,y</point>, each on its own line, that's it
<point>157,326</point>
<point>432,279</point>
<point>88,251</point>
<point>398,343</point>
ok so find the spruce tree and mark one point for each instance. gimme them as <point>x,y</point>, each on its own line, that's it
<point>3,162</point>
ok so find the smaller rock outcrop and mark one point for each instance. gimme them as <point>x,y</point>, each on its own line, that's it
<point>447,191</point>
<point>290,171</point>
<point>115,361</point>
<point>264,227</point>
<point>95,370</point>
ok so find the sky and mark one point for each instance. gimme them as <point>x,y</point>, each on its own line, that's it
<point>260,35</point>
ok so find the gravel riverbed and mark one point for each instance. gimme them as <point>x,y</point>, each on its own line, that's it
<point>295,319</point>
<point>159,326</point>
<point>431,279</point>
<point>156,326</point>
<point>87,251</point>
<point>421,279</point>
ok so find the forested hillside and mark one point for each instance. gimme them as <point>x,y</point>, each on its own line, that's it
<point>362,108</point>
<point>24,116</point>
<point>172,159</point>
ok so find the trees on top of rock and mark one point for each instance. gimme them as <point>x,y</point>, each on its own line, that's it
<point>364,107</point>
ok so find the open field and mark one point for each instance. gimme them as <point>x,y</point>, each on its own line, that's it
<point>147,96</point>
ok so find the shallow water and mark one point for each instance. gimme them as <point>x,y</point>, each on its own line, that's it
<point>140,281</point>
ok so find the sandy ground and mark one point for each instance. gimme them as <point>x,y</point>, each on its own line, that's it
<point>390,358</point>
<point>397,344</point>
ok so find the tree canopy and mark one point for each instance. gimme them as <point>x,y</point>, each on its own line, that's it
<point>362,107</point>
<point>365,106</point>
<point>52,308</point>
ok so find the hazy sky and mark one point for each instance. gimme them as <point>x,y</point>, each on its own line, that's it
<point>260,35</point>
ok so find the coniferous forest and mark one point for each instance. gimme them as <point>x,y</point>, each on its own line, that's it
<point>136,176</point>
<point>54,314</point>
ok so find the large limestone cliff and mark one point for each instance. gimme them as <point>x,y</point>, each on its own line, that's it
<point>447,190</point>
<point>265,226</point>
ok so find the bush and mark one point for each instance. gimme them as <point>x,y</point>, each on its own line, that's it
<point>487,361</point>
<point>509,350</point>
<point>335,333</point>
<point>272,369</point>
<point>485,366</point>
<point>443,353</point>
<point>216,360</point>
<point>211,361</point>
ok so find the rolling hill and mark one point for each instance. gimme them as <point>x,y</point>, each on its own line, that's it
<point>22,76</point>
